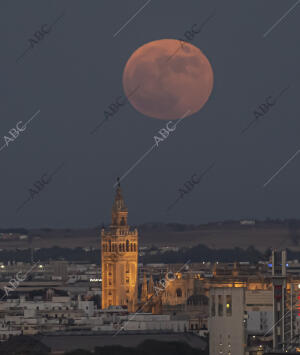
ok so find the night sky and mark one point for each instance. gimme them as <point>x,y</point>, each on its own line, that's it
<point>70,76</point>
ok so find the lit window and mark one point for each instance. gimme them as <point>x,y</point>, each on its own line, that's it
<point>228,305</point>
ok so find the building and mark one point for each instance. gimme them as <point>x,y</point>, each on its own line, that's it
<point>265,310</point>
<point>226,323</point>
<point>119,259</point>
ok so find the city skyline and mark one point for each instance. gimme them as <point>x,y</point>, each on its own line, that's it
<point>149,177</point>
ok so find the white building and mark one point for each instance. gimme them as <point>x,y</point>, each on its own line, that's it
<point>259,307</point>
<point>227,321</point>
<point>240,320</point>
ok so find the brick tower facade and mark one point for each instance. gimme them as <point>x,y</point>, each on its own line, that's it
<point>119,246</point>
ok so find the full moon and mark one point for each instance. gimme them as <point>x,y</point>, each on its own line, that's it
<point>168,79</point>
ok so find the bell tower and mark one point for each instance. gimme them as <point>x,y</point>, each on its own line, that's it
<point>119,254</point>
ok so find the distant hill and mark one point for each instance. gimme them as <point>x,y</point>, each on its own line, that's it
<point>229,234</point>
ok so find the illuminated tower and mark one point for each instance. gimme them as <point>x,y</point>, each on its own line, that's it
<point>119,248</point>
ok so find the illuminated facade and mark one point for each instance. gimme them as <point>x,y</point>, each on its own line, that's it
<point>119,259</point>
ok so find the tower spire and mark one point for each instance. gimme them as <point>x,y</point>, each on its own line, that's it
<point>119,210</point>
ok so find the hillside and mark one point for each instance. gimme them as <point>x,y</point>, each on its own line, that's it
<point>262,235</point>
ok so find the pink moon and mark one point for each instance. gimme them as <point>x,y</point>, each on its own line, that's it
<point>168,79</point>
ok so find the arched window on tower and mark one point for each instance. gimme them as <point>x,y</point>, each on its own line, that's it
<point>123,221</point>
<point>134,247</point>
<point>127,245</point>
<point>131,247</point>
<point>179,292</point>
<point>123,245</point>
<point>109,243</point>
<point>120,247</point>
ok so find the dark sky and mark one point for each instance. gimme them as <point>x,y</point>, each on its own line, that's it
<point>75,72</point>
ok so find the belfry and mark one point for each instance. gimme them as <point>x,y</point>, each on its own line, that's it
<point>119,254</point>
